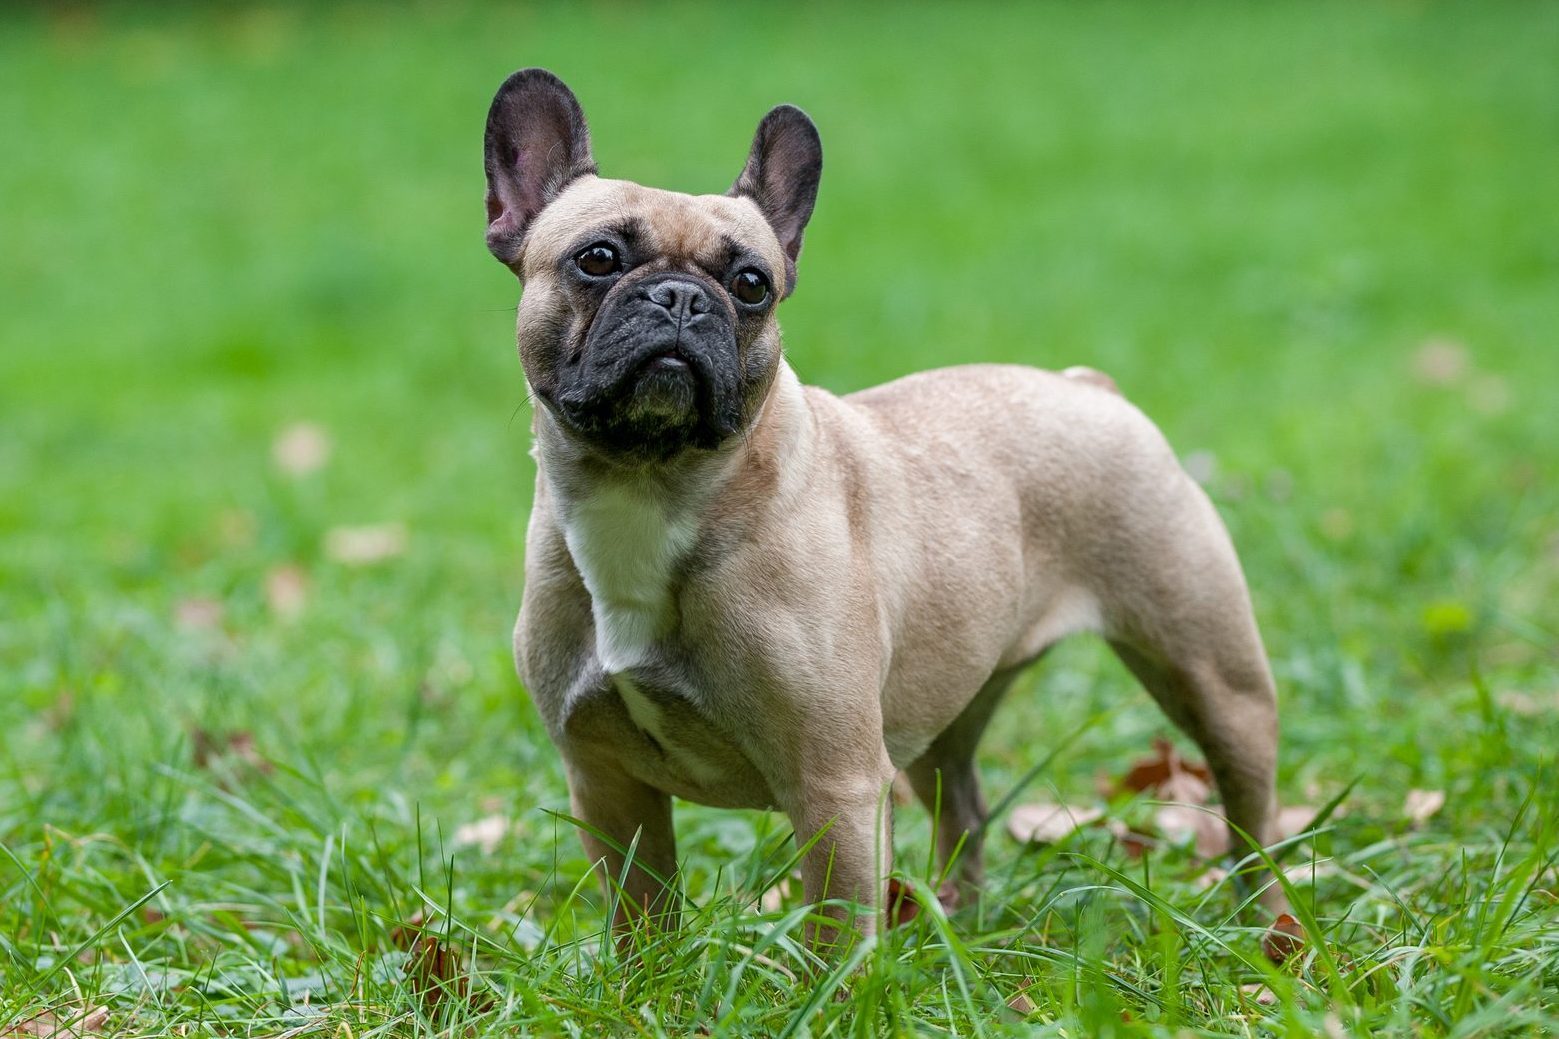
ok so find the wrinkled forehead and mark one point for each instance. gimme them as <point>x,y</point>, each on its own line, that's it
<point>703,229</point>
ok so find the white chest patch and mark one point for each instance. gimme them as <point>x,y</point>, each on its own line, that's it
<point>627,544</point>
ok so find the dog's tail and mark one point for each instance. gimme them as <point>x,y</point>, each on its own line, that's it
<point>1093,377</point>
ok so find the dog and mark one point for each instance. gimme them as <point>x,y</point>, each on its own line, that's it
<point>746,592</point>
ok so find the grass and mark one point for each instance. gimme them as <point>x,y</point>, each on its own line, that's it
<point>1317,243</point>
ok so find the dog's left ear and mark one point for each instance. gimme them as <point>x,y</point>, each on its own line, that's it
<point>536,143</point>
<point>781,176</point>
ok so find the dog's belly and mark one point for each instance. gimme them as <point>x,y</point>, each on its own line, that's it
<point>662,740</point>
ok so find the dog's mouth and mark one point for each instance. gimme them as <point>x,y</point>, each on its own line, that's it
<point>665,391</point>
<point>657,405</point>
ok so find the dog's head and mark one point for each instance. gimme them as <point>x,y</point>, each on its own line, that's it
<point>646,325</point>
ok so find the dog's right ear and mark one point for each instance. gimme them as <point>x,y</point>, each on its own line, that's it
<point>536,143</point>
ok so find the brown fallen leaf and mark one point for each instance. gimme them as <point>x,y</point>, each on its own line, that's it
<point>286,591</point>
<point>404,936</point>
<point>485,833</point>
<point>1047,822</point>
<point>1202,828</point>
<point>773,899</point>
<point>364,545</point>
<point>1205,826</point>
<point>1134,842</point>
<point>1283,939</point>
<point>1260,993</point>
<point>1440,362</point>
<point>436,976</point>
<point>234,747</point>
<point>1210,878</point>
<point>300,449</point>
<point>61,712</point>
<point>1529,705</point>
<point>1421,805</point>
<point>1149,774</point>
<point>1295,819</point>
<point>61,1023</point>
<point>901,906</point>
<point>197,614</point>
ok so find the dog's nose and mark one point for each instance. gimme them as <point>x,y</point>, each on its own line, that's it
<point>682,298</point>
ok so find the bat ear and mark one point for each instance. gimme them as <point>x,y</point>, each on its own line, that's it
<point>781,176</point>
<point>536,143</point>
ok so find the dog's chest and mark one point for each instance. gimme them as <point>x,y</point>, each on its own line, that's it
<point>627,545</point>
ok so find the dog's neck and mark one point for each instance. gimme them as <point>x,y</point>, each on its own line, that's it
<point>630,530</point>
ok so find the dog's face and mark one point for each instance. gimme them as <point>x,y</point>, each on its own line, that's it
<point>647,324</point>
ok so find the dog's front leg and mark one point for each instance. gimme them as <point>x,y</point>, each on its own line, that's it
<point>629,816</point>
<point>847,824</point>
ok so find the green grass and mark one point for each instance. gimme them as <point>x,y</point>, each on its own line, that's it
<point>215,225</point>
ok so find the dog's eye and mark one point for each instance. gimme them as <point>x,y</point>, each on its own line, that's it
<point>751,287</point>
<point>598,260</point>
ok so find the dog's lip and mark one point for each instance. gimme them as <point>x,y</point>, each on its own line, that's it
<point>667,361</point>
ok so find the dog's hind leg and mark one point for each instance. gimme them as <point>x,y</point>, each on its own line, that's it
<point>948,784</point>
<point>1187,631</point>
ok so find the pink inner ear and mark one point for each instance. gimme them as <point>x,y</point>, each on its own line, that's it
<point>502,230</point>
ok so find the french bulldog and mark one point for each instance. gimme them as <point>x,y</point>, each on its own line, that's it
<point>746,592</point>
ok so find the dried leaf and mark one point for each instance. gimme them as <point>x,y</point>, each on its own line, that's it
<point>64,1023</point>
<point>1283,939</point>
<point>1421,805</point>
<point>300,449</point>
<point>286,591</point>
<point>197,614</point>
<point>773,899</point>
<point>435,974</point>
<point>1149,774</point>
<point>1203,828</point>
<point>1184,787</point>
<point>1210,878</point>
<point>405,935</point>
<point>361,546</point>
<point>485,833</point>
<point>1440,362</point>
<point>1526,704</point>
<point>60,713</point>
<point>1260,993</point>
<point>1295,819</point>
<point>1046,822</point>
<point>212,749</point>
<point>1135,843</point>
<point>901,906</point>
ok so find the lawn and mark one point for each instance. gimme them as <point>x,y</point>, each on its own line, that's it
<point>265,768</point>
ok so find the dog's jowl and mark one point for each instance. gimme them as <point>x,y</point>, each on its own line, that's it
<point>748,592</point>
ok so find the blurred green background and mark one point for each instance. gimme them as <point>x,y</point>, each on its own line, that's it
<point>244,303</point>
